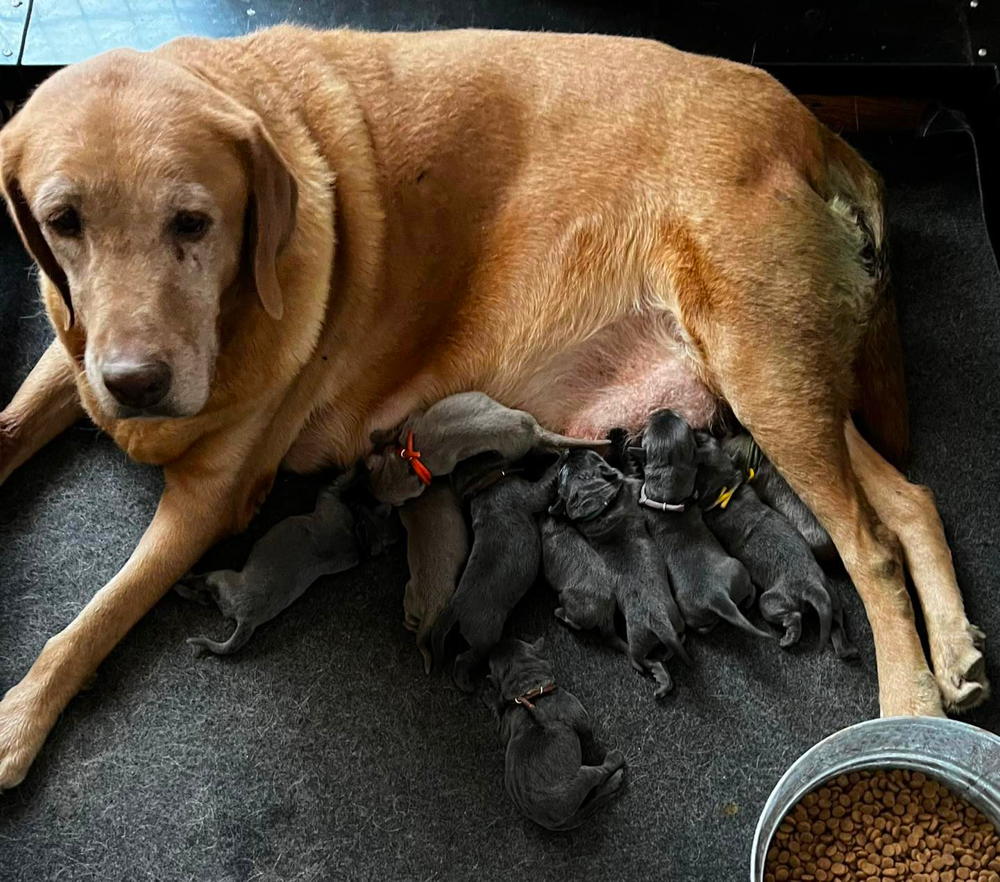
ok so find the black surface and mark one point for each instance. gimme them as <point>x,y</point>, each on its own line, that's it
<point>322,751</point>
<point>837,31</point>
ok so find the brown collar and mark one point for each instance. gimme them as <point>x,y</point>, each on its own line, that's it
<point>534,694</point>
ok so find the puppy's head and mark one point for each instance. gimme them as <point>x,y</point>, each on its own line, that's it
<point>142,192</point>
<point>669,454</point>
<point>586,485</point>
<point>715,469</point>
<point>512,658</point>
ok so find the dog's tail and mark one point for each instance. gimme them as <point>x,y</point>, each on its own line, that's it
<point>674,642</point>
<point>881,407</point>
<point>439,637</point>
<point>727,610</point>
<point>555,441</point>
<point>237,640</point>
<point>880,390</point>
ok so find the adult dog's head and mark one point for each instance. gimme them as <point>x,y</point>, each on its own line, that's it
<point>144,193</point>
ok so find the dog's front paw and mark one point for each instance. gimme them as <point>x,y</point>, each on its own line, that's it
<point>960,668</point>
<point>22,734</point>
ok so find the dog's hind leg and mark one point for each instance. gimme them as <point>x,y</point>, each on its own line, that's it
<point>909,510</point>
<point>592,788</point>
<point>782,311</point>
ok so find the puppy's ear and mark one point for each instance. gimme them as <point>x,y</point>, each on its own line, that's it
<point>271,212</point>
<point>539,644</point>
<point>31,231</point>
<point>638,453</point>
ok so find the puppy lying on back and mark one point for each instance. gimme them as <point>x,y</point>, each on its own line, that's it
<point>432,442</point>
<point>437,545</point>
<point>607,546</point>
<point>708,584</point>
<point>540,726</point>
<point>287,559</point>
<point>775,554</point>
<point>774,490</point>
<point>504,561</point>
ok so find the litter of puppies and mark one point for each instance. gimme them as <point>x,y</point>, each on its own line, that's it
<point>644,540</point>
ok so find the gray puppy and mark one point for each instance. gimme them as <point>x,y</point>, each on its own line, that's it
<point>456,428</point>
<point>708,584</point>
<point>775,554</point>
<point>774,490</point>
<point>437,545</point>
<point>611,554</point>
<point>541,725</point>
<point>287,559</point>
<point>504,561</point>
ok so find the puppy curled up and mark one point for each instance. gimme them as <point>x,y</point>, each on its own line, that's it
<point>709,585</point>
<point>602,550</point>
<point>431,443</point>
<point>541,724</point>
<point>778,559</point>
<point>504,561</point>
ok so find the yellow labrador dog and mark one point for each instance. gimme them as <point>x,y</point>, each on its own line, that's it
<point>257,251</point>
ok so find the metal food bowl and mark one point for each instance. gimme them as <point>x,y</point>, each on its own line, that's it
<point>965,758</point>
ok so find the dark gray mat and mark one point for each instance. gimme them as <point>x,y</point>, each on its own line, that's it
<point>322,751</point>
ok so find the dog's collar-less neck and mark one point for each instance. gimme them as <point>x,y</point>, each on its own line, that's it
<point>656,504</point>
<point>527,699</point>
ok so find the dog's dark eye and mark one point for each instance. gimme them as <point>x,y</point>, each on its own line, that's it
<point>190,225</point>
<point>66,222</point>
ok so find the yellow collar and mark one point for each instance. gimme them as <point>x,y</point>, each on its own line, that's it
<point>725,494</point>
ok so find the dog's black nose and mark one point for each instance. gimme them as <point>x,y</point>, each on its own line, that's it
<point>137,384</point>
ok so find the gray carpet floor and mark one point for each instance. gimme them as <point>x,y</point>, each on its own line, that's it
<point>323,752</point>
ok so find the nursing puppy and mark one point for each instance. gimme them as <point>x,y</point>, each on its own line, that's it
<point>616,551</point>
<point>774,490</point>
<point>708,584</point>
<point>437,545</point>
<point>288,559</point>
<point>504,561</point>
<point>540,727</point>
<point>775,554</point>
<point>456,428</point>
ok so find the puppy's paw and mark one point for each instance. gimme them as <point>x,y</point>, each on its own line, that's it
<point>960,668</point>
<point>614,760</point>
<point>792,623</point>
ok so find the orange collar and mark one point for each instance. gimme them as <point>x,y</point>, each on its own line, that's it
<point>412,456</point>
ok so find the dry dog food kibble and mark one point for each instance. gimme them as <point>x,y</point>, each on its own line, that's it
<point>872,826</point>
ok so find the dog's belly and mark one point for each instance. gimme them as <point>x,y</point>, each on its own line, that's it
<point>618,378</point>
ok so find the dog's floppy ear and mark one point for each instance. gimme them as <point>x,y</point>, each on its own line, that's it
<point>271,212</point>
<point>539,644</point>
<point>638,453</point>
<point>31,231</point>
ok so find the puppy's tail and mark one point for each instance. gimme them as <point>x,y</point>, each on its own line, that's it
<point>555,441</point>
<point>439,637</point>
<point>237,641</point>
<point>724,607</point>
<point>819,599</point>
<point>673,641</point>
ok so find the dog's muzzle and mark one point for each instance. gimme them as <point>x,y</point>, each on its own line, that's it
<point>659,506</point>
